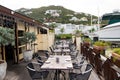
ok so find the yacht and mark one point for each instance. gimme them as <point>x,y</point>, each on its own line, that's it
<point>111,30</point>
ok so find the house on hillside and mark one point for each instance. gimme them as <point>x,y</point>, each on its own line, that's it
<point>68,28</point>
<point>74,19</point>
<point>54,13</point>
<point>83,19</point>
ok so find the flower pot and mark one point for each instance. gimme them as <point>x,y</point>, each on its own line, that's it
<point>27,55</point>
<point>99,49</point>
<point>87,44</point>
<point>116,59</point>
<point>3,67</point>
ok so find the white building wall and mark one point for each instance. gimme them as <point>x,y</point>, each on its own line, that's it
<point>68,28</point>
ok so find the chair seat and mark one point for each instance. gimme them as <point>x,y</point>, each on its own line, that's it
<point>40,75</point>
<point>72,76</point>
<point>83,74</point>
<point>34,74</point>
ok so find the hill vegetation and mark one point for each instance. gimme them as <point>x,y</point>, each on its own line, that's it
<point>65,15</point>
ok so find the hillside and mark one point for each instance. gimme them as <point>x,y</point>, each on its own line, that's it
<point>57,14</point>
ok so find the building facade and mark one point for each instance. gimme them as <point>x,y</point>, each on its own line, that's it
<point>21,24</point>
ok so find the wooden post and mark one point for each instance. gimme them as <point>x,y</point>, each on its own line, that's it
<point>16,44</point>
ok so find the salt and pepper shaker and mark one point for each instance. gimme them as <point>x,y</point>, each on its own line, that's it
<point>57,59</point>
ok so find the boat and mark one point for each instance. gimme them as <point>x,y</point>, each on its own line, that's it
<point>110,30</point>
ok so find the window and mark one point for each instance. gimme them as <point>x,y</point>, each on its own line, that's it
<point>43,31</point>
<point>20,33</point>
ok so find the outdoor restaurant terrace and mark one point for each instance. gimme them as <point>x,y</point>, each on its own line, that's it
<point>52,58</point>
<point>64,62</point>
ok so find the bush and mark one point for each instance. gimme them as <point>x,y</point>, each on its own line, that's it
<point>87,40</point>
<point>101,43</point>
<point>64,36</point>
<point>116,50</point>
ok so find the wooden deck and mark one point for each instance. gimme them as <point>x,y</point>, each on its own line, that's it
<point>19,72</point>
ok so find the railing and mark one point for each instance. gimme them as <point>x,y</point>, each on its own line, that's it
<point>104,66</point>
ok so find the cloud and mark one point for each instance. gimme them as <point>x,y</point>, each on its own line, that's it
<point>87,6</point>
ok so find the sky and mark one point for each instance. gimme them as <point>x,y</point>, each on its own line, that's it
<point>94,7</point>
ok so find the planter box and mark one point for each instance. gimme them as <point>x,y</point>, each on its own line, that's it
<point>116,59</point>
<point>99,49</point>
<point>87,44</point>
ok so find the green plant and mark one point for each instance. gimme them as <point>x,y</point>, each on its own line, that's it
<point>116,56</point>
<point>101,43</point>
<point>7,36</point>
<point>66,36</point>
<point>29,37</point>
<point>62,30</point>
<point>87,40</point>
<point>101,46</point>
<point>51,30</point>
<point>116,50</point>
<point>78,33</point>
<point>53,25</point>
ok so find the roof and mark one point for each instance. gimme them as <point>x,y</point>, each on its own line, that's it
<point>111,15</point>
<point>17,15</point>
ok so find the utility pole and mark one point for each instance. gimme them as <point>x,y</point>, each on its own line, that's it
<point>91,20</point>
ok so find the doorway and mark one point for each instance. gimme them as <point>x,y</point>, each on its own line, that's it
<point>9,54</point>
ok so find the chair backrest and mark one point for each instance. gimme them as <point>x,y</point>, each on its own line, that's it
<point>47,54</point>
<point>31,69</point>
<point>85,74</point>
<point>82,60</point>
<point>51,49</point>
<point>35,55</point>
<point>39,60</point>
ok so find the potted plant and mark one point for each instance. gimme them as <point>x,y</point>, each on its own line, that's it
<point>116,56</point>
<point>78,33</point>
<point>7,37</point>
<point>87,42</point>
<point>100,46</point>
<point>28,38</point>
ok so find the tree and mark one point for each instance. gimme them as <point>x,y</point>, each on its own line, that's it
<point>29,37</point>
<point>53,25</point>
<point>77,33</point>
<point>7,36</point>
<point>62,30</point>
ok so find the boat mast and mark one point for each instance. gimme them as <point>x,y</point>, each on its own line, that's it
<point>98,22</point>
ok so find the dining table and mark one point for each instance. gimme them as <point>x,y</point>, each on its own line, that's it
<point>58,63</point>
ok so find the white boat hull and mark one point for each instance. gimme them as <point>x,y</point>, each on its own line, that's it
<point>109,33</point>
